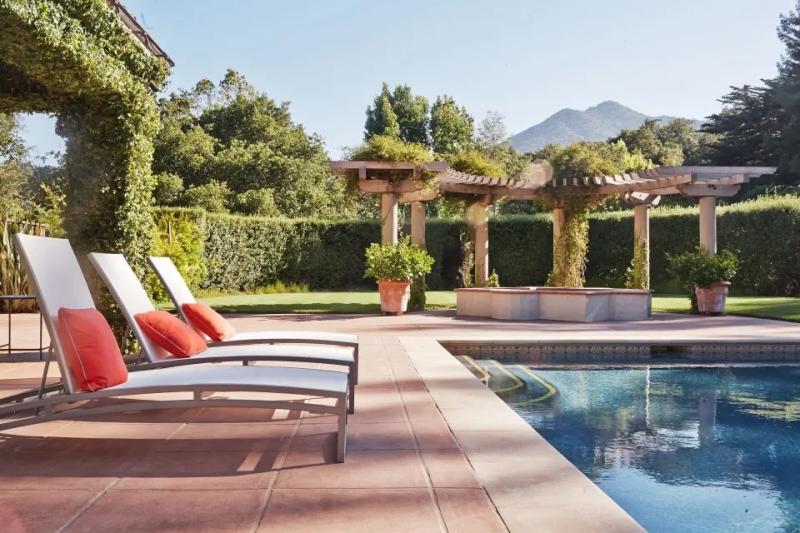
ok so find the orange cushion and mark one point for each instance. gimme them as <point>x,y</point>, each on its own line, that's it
<point>91,351</point>
<point>208,321</point>
<point>170,333</point>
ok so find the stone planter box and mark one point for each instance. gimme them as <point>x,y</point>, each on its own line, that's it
<point>554,303</point>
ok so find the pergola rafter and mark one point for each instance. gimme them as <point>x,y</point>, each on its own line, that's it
<point>402,182</point>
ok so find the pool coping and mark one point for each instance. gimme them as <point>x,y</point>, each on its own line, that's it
<point>532,486</point>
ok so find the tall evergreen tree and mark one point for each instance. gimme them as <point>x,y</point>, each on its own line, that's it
<point>451,126</point>
<point>398,113</point>
<point>743,127</point>
<point>412,114</point>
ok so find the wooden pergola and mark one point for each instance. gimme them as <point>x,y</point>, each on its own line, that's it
<point>402,182</point>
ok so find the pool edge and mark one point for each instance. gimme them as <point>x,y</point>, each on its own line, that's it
<point>532,486</point>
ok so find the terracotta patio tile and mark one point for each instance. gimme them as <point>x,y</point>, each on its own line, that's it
<point>468,511</point>
<point>449,468</point>
<point>242,469</point>
<point>380,436</point>
<point>43,510</point>
<point>377,436</point>
<point>434,435</point>
<point>89,466</point>
<point>218,436</point>
<point>244,415</point>
<point>211,511</point>
<point>96,429</point>
<point>361,469</point>
<point>353,511</point>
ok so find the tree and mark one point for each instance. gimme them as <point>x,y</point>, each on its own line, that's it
<point>412,114</point>
<point>491,131</point>
<point>742,128</point>
<point>381,118</point>
<point>212,196</point>
<point>258,202</point>
<point>233,134</point>
<point>13,171</point>
<point>451,126</point>
<point>398,113</point>
<point>169,189</point>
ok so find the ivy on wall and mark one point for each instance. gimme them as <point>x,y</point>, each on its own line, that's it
<point>75,59</point>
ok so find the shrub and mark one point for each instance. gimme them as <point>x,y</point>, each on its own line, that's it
<point>397,262</point>
<point>698,269</point>
<point>258,202</point>
<point>168,190</point>
<point>247,252</point>
<point>212,196</point>
<point>178,234</point>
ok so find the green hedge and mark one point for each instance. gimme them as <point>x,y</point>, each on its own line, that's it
<point>241,253</point>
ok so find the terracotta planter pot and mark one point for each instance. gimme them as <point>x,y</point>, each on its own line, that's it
<point>394,295</point>
<point>711,300</point>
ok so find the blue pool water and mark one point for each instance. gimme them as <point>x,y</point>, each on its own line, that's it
<point>701,449</point>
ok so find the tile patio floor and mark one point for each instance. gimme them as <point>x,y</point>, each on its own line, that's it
<point>418,458</point>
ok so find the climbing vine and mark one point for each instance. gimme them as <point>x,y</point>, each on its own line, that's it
<point>76,60</point>
<point>571,245</point>
<point>638,274</point>
<point>576,163</point>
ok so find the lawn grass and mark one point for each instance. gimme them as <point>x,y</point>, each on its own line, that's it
<point>315,302</point>
<point>780,308</point>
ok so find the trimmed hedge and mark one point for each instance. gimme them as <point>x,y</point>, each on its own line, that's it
<point>241,253</point>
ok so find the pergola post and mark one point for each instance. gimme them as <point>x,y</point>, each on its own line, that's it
<point>389,218</point>
<point>642,202</point>
<point>478,221</point>
<point>418,223</point>
<point>708,224</point>
<point>558,224</point>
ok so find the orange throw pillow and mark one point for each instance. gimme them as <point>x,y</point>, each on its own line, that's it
<point>208,321</point>
<point>91,351</point>
<point>170,333</point>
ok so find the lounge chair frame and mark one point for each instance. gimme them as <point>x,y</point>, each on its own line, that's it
<point>51,264</point>
<point>130,296</point>
<point>180,293</point>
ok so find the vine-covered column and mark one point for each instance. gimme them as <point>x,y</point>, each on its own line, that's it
<point>570,241</point>
<point>638,274</point>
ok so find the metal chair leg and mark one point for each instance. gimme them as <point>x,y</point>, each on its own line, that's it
<point>46,369</point>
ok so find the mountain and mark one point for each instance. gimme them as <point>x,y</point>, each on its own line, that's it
<point>597,123</point>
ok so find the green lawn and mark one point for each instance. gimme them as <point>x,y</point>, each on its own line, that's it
<point>367,302</point>
<point>315,302</point>
<point>780,308</point>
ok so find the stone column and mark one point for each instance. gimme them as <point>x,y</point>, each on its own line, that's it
<point>558,223</point>
<point>641,232</point>
<point>708,224</point>
<point>418,223</point>
<point>478,220</point>
<point>389,218</point>
<point>642,202</point>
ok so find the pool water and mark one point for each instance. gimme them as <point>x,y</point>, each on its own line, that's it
<point>700,449</point>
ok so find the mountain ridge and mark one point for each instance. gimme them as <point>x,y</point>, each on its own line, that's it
<point>596,123</point>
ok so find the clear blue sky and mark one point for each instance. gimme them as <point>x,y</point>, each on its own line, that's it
<point>526,59</point>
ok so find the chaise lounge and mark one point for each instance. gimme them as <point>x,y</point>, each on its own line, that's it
<point>132,299</point>
<point>181,295</point>
<point>59,285</point>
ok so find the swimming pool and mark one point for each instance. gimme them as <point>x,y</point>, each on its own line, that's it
<point>690,449</point>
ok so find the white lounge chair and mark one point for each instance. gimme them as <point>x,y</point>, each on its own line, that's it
<point>58,282</point>
<point>132,299</point>
<point>180,294</point>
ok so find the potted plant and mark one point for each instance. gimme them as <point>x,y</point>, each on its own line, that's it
<point>706,277</point>
<point>395,266</point>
